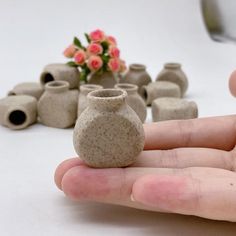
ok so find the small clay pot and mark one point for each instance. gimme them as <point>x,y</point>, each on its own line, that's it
<point>84,90</point>
<point>108,133</point>
<point>134,100</point>
<point>105,79</point>
<point>172,72</point>
<point>27,88</point>
<point>137,75</point>
<point>59,71</point>
<point>173,109</point>
<point>18,112</point>
<point>57,107</point>
<point>159,89</point>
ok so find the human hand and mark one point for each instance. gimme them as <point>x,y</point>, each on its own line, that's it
<point>187,167</point>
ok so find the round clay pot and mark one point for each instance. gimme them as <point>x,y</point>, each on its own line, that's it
<point>57,107</point>
<point>134,100</point>
<point>18,112</point>
<point>83,100</point>
<point>172,72</point>
<point>137,75</point>
<point>105,79</point>
<point>159,89</point>
<point>27,88</point>
<point>108,133</point>
<point>59,71</point>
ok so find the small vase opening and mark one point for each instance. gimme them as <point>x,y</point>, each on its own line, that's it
<point>129,88</point>
<point>172,65</point>
<point>11,93</point>
<point>144,93</point>
<point>46,77</point>
<point>137,66</point>
<point>17,117</point>
<point>57,86</point>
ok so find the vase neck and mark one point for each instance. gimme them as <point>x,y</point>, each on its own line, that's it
<point>107,99</point>
<point>58,86</point>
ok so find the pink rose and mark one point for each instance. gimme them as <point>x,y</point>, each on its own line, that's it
<point>70,51</point>
<point>80,57</point>
<point>114,64</point>
<point>94,48</point>
<point>94,63</point>
<point>97,36</point>
<point>114,52</point>
<point>122,66</point>
<point>111,40</point>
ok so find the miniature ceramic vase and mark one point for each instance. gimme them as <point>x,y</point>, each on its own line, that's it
<point>83,100</point>
<point>18,112</point>
<point>172,72</point>
<point>134,100</point>
<point>137,75</point>
<point>59,71</point>
<point>108,133</point>
<point>159,89</point>
<point>105,79</point>
<point>57,107</point>
<point>27,88</point>
<point>173,109</point>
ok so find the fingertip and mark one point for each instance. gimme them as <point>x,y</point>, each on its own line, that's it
<point>232,83</point>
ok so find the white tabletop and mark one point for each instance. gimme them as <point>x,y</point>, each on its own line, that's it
<point>33,34</point>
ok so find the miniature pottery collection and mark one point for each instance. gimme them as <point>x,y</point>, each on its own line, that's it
<point>134,100</point>
<point>159,89</point>
<point>28,88</point>
<point>105,79</point>
<point>108,133</point>
<point>138,75</point>
<point>59,71</point>
<point>172,72</point>
<point>18,112</point>
<point>57,107</point>
<point>173,109</point>
<point>83,100</point>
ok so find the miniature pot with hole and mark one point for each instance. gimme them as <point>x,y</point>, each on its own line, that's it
<point>134,100</point>
<point>83,100</point>
<point>59,71</point>
<point>18,112</point>
<point>57,107</point>
<point>108,133</point>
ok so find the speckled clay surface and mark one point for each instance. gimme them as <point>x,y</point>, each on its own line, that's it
<point>173,109</point>
<point>172,72</point>
<point>108,133</point>
<point>106,79</point>
<point>57,107</point>
<point>27,88</point>
<point>84,90</point>
<point>18,112</point>
<point>137,75</point>
<point>59,71</point>
<point>159,89</point>
<point>134,100</point>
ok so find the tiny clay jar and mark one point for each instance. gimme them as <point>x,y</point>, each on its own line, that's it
<point>137,75</point>
<point>57,107</point>
<point>134,100</point>
<point>27,88</point>
<point>108,133</point>
<point>18,112</point>
<point>83,100</point>
<point>172,72</point>
<point>159,89</point>
<point>60,71</point>
<point>106,79</point>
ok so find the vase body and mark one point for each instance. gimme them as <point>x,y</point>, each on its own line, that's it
<point>108,133</point>
<point>83,100</point>
<point>28,88</point>
<point>134,100</point>
<point>172,72</point>
<point>105,79</point>
<point>159,89</point>
<point>137,75</point>
<point>18,112</point>
<point>60,71</point>
<point>57,107</point>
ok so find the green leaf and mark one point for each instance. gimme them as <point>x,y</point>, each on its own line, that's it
<point>72,63</point>
<point>77,43</point>
<point>104,46</point>
<point>87,38</point>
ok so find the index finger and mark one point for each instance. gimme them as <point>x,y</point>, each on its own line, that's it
<point>215,132</point>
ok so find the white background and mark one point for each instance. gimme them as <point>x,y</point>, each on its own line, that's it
<point>33,34</point>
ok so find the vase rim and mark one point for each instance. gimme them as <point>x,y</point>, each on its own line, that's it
<point>57,86</point>
<point>90,87</point>
<point>172,65</point>
<point>137,66</point>
<point>127,87</point>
